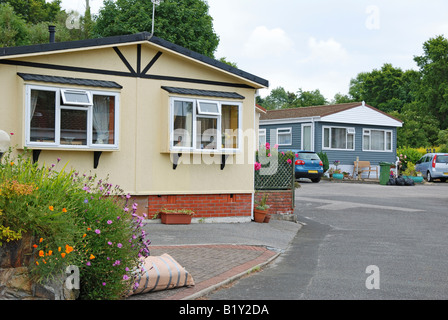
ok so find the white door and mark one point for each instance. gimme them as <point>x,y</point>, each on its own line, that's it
<point>307,137</point>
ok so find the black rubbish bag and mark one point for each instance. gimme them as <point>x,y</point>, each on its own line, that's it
<point>409,182</point>
<point>392,182</point>
<point>400,181</point>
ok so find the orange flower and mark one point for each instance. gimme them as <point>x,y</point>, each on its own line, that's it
<point>44,261</point>
<point>41,239</point>
<point>84,235</point>
<point>51,208</point>
<point>37,263</point>
<point>88,229</point>
<point>50,253</point>
<point>63,254</point>
<point>41,253</point>
<point>59,249</point>
<point>64,210</point>
<point>34,245</point>
<point>92,257</point>
<point>68,248</point>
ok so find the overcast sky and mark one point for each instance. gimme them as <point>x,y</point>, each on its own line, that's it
<point>319,44</point>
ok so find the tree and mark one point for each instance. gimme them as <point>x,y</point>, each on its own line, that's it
<point>183,22</point>
<point>310,98</point>
<point>433,66</point>
<point>278,98</point>
<point>13,30</point>
<point>420,129</point>
<point>386,89</point>
<point>342,98</point>
<point>35,11</point>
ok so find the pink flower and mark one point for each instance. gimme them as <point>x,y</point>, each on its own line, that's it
<point>257,166</point>
<point>289,161</point>
<point>269,154</point>
<point>125,277</point>
<point>268,146</point>
<point>119,245</point>
<point>283,153</point>
<point>97,231</point>
<point>276,146</point>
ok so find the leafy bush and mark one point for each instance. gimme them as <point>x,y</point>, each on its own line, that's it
<point>323,156</point>
<point>75,219</point>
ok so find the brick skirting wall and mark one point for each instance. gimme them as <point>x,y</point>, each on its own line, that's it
<point>204,205</point>
<point>280,201</point>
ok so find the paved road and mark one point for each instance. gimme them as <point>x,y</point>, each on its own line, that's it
<point>401,231</point>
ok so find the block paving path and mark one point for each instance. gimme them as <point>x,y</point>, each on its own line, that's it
<point>211,266</point>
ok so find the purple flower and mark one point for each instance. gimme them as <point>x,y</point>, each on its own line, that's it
<point>59,159</point>
<point>97,231</point>
<point>128,196</point>
<point>109,243</point>
<point>104,283</point>
<point>125,277</point>
<point>86,201</point>
<point>109,221</point>
<point>119,245</point>
<point>88,263</point>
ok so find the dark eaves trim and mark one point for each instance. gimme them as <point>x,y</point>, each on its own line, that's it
<point>138,37</point>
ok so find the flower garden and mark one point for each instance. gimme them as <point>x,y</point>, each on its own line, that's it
<point>74,219</point>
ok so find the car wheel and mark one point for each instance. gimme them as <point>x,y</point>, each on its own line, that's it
<point>428,177</point>
<point>316,180</point>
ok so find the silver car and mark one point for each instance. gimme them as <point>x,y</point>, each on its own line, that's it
<point>433,166</point>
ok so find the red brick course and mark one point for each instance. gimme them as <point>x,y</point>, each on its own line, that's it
<point>280,201</point>
<point>204,205</point>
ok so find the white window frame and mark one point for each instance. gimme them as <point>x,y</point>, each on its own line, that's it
<point>347,129</point>
<point>288,131</point>
<point>197,113</point>
<point>61,106</point>
<point>310,125</point>
<point>261,133</point>
<point>66,101</point>
<point>205,113</point>
<point>367,132</point>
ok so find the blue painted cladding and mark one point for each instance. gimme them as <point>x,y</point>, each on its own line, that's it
<point>296,130</point>
<point>346,157</point>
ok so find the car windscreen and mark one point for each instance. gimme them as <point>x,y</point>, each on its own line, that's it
<point>308,156</point>
<point>442,158</point>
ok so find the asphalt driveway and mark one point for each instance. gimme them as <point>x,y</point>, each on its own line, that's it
<point>400,232</point>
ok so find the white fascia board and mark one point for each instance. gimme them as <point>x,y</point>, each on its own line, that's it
<point>362,115</point>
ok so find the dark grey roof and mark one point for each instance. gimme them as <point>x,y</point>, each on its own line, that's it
<point>67,80</point>
<point>138,37</point>
<point>205,93</point>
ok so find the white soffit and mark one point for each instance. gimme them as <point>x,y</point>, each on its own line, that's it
<point>362,115</point>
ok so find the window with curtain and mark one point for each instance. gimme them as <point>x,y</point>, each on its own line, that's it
<point>182,124</point>
<point>377,140</point>
<point>339,138</point>
<point>229,126</point>
<point>42,116</point>
<point>284,136</point>
<point>55,121</point>
<point>204,125</point>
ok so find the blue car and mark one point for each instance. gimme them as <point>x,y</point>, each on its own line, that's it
<point>308,165</point>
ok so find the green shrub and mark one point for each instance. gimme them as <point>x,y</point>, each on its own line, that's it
<point>323,156</point>
<point>75,219</point>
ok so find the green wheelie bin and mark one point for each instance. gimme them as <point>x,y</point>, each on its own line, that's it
<point>385,172</point>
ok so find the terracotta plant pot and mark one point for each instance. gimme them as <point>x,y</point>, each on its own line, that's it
<point>175,218</point>
<point>259,215</point>
<point>267,218</point>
